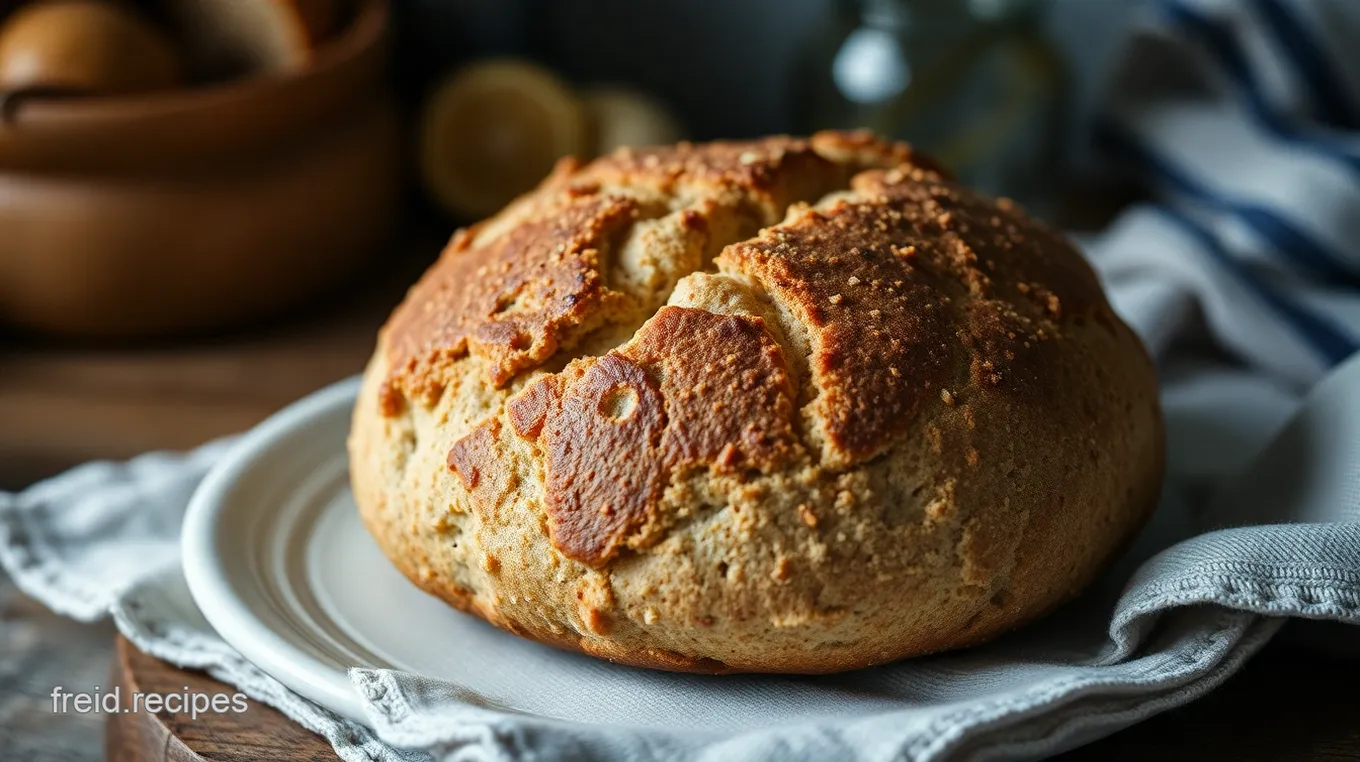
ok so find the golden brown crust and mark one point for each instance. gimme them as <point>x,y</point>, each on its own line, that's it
<point>901,418</point>
<point>518,298</point>
<point>694,390</point>
<point>512,300</point>
<point>475,452</point>
<point>769,174</point>
<point>601,474</point>
<point>887,286</point>
<point>877,323</point>
<point>729,399</point>
<point>529,411</point>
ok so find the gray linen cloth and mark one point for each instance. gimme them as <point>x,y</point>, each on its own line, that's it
<point>1258,522</point>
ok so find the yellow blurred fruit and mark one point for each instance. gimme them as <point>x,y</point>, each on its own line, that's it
<point>620,117</point>
<point>492,131</point>
<point>84,47</point>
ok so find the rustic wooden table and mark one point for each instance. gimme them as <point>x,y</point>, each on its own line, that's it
<point>63,405</point>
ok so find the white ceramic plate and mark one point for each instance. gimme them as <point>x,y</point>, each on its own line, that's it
<point>280,564</point>
<point>252,543</point>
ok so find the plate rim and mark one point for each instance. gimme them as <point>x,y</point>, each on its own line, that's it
<point>209,581</point>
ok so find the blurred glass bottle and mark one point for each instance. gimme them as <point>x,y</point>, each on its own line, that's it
<point>975,83</point>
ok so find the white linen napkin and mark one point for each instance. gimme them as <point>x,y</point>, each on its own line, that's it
<point>1242,281</point>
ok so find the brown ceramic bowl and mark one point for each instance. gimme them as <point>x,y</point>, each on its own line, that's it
<point>167,212</point>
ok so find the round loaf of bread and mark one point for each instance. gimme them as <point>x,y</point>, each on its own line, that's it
<point>792,405</point>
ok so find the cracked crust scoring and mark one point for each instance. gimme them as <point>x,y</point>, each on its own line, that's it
<point>789,405</point>
<point>723,402</point>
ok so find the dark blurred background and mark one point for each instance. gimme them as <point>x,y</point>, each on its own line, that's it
<point>743,69</point>
<point>729,68</point>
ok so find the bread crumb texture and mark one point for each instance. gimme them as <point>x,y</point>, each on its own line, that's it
<point>790,405</point>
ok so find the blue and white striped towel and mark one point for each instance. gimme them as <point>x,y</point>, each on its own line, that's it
<point>1243,118</point>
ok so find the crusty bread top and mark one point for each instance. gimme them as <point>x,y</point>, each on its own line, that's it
<point>613,434</point>
<point>873,286</point>
<point>518,286</point>
<point>898,281</point>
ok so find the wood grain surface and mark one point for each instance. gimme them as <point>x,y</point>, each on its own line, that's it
<point>40,650</point>
<point>259,733</point>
